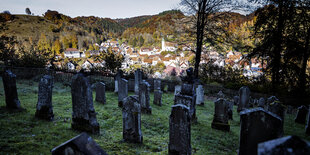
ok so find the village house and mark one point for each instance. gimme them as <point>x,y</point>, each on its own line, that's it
<point>73,53</point>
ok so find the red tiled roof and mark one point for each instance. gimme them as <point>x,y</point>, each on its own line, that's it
<point>71,49</point>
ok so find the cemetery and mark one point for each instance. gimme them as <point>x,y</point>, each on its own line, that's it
<point>47,116</point>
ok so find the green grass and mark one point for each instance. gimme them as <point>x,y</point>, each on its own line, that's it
<point>22,133</point>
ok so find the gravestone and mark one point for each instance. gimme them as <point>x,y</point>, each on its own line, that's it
<point>132,120</point>
<point>256,126</point>
<point>118,77</point>
<point>301,115</point>
<point>81,144</point>
<point>10,90</point>
<point>157,84</point>
<point>272,99</point>
<point>144,97</point>
<point>44,105</point>
<point>244,98</point>
<point>220,117</point>
<point>157,97</point>
<point>200,95</point>
<point>138,80</point>
<point>220,94</point>
<point>100,92</point>
<point>261,102</point>
<point>187,97</point>
<point>84,115</point>
<point>308,124</point>
<point>179,130</point>
<point>122,91</point>
<point>177,89</point>
<point>277,108</point>
<point>236,100</point>
<point>289,145</point>
<point>230,109</point>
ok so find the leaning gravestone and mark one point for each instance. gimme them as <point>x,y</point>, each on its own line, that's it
<point>144,97</point>
<point>100,92</point>
<point>277,108</point>
<point>10,90</point>
<point>301,115</point>
<point>81,144</point>
<point>200,95</point>
<point>138,80</point>
<point>308,124</point>
<point>187,97</point>
<point>84,115</point>
<point>236,100</point>
<point>244,98</point>
<point>179,130</point>
<point>289,145</point>
<point>220,119</point>
<point>44,105</point>
<point>122,91</point>
<point>256,126</point>
<point>261,102</point>
<point>132,120</point>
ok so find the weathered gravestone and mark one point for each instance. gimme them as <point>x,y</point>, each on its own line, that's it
<point>220,94</point>
<point>200,95</point>
<point>289,145</point>
<point>138,80</point>
<point>122,91</point>
<point>261,102</point>
<point>117,78</point>
<point>308,124</point>
<point>177,90</point>
<point>272,99</point>
<point>301,115</point>
<point>157,93</point>
<point>84,115</point>
<point>44,105</point>
<point>132,120</point>
<point>144,97</point>
<point>256,126</point>
<point>100,92</point>
<point>81,144</point>
<point>236,100</point>
<point>157,84</point>
<point>277,108</point>
<point>244,98</point>
<point>230,109</point>
<point>179,130</point>
<point>10,90</point>
<point>220,119</point>
<point>187,97</point>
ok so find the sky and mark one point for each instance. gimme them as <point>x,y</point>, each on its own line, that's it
<point>99,8</point>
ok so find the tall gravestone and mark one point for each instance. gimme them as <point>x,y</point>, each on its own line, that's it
<point>200,95</point>
<point>301,115</point>
<point>256,126</point>
<point>122,91</point>
<point>289,145</point>
<point>308,124</point>
<point>187,97</point>
<point>81,144</point>
<point>10,90</point>
<point>100,92</point>
<point>179,130</point>
<point>157,93</point>
<point>84,115</point>
<point>244,98</point>
<point>44,104</point>
<point>117,78</point>
<point>230,109</point>
<point>177,90</point>
<point>144,97</point>
<point>220,119</point>
<point>132,120</point>
<point>138,80</point>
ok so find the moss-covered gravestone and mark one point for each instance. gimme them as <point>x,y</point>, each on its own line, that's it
<point>83,115</point>
<point>44,105</point>
<point>10,90</point>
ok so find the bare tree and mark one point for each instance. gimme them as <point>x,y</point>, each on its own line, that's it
<point>204,12</point>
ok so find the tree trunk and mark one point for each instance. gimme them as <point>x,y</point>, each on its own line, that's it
<point>302,76</point>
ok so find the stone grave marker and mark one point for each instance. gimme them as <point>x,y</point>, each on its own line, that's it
<point>10,91</point>
<point>244,98</point>
<point>257,125</point>
<point>278,109</point>
<point>261,102</point>
<point>138,80</point>
<point>301,115</point>
<point>236,100</point>
<point>200,95</point>
<point>220,94</point>
<point>118,77</point>
<point>144,97</point>
<point>44,105</point>
<point>179,130</point>
<point>100,92</point>
<point>220,119</point>
<point>132,120</point>
<point>308,124</point>
<point>84,115</point>
<point>122,91</point>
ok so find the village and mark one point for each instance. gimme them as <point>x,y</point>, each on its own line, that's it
<point>176,59</point>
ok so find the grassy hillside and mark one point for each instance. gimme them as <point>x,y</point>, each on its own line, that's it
<point>21,133</point>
